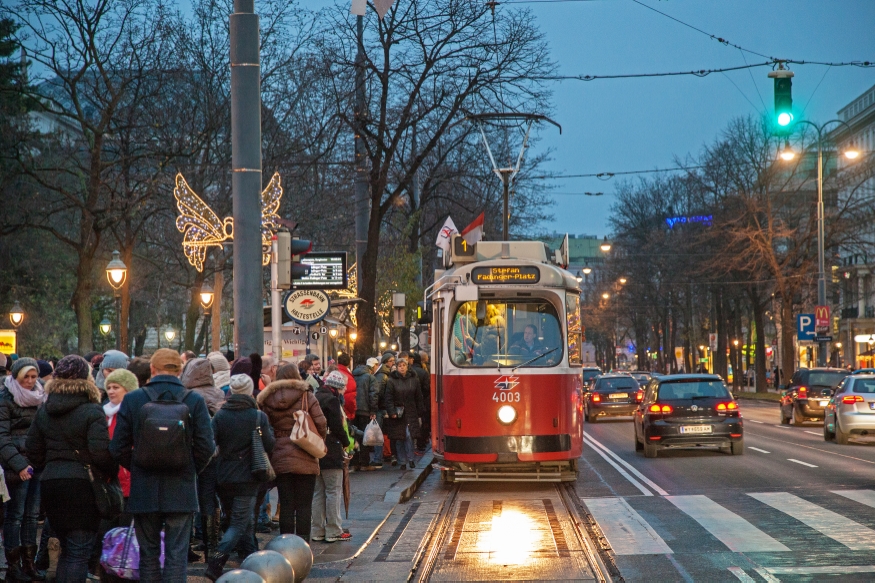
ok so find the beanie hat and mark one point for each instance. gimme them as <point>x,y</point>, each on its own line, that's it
<point>387,356</point>
<point>414,356</point>
<point>114,359</point>
<point>241,384</point>
<point>336,380</point>
<point>123,377</point>
<point>241,366</point>
<point>44,368</point>
<point>218,361</point>
<point>166,360</point>
<point>95,361</point>
<point>372,362</point>
<point>22,364</point>
<point>72,367</point>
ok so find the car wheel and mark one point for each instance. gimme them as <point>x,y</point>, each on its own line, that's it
<point>638,445</point>
<point>784,419</point>
<point>794,419</point>
<point>649,450</point>
<point>590,418</point>
<point>841,436</point>
<point>827,435</point>
<point>737,447</point>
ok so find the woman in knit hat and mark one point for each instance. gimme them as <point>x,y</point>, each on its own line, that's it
<point>112,360</point>
<point>67,433</point>
<point>221,370</point>
<point>119,383</point>
<point>232,428</point>
<point>328,493</point>
<point>20,398</point>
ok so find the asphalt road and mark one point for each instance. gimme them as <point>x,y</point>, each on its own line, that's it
<point>772,514</point>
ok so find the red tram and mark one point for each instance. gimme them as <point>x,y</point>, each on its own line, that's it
<point>506,365</point>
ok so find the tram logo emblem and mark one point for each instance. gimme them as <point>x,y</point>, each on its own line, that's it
<point>506,383</point>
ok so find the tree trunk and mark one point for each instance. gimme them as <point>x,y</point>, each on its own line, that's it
<point>760,354</point>
<point>366,314</point>
<point>81,302</point>
<point>788,330</point>
<point>721,331</point>
<point>193,314</point>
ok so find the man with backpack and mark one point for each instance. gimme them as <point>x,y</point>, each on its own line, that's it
<point>163,436</point>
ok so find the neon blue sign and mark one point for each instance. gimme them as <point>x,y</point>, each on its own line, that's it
<point>704,219</point>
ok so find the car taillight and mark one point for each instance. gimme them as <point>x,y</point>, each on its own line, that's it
<point>851,399</point>
<point>639,396</point>
<point>802,393</point>
<point>731,406</point>
<point>596,398</point>
<point>657,408</point>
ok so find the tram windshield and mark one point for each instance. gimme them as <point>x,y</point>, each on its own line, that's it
<point>507,333</point>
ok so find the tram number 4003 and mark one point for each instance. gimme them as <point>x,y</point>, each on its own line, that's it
<point>504,397</point>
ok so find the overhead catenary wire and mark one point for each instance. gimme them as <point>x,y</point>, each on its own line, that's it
<point>609,175</point>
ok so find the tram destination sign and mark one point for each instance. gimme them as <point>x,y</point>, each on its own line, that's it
<point>327,271</point>
<point>505,274</point>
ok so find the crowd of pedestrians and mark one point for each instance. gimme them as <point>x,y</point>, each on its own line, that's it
<point>172,435</point>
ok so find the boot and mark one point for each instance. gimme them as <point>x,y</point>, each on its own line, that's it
<point>42,561</point>
<point>28,553</point>
<point>213,533</point>
<point>215,566</point>
<point>202,546</point>
<point>13,566</point>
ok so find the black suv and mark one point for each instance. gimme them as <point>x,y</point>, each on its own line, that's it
<point>612,395</point>
<point>688,410</point>
<point>808,394</point>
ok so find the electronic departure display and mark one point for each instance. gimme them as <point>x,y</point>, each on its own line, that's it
<point>502,274</point>
<point>327,271</point>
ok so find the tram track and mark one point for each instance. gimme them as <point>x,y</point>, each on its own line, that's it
<point>570,546</point>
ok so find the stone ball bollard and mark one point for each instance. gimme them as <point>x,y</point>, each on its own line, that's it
<point>296,551</point>
<point>240,576</point>
<point>272,566</point>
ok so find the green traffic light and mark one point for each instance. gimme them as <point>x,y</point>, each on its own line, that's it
<point>784,118</point>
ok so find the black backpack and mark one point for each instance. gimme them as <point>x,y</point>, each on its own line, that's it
<point>164,443</point>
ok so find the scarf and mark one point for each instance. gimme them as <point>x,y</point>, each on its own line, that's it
<point>23,397</point>
<point>110,410</point>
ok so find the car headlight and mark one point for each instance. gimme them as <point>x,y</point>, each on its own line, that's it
<point>506,414</point>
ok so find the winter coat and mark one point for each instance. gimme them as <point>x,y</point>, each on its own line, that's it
<point>381,377</point>
<point>232,428</point>
<point>349,397</point>
<point>198,376</point>
<point>153,490</point>
<point>338,438</point>
<point>72,420</point>
<point>424,386</point>
<point>366,393</point>
<point>14,424</point>
<point>279,400</point>
<point>124,476</point>
<point>403,392</point>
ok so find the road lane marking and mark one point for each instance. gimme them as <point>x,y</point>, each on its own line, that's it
<point>623,472</point>
<point>732,530</point>
<point>755,421</point>
<point>852,534</point>
<point>814,448</point>
<point>632,469</point>
<point>821,570</point>
<point>866,497</point>
<point>766,575</point>
<point>814,433</point>
<point>741,575</point>
<point>789,459</point>
<point>758,449</point>
<point>783,427</point>
<point>626,531</point>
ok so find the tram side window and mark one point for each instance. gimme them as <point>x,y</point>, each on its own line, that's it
<point>511,333</point>
<point>573,325</point>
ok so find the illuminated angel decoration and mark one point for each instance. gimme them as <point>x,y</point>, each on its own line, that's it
<point>201,227</point>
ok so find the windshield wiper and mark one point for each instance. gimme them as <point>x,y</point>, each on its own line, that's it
<point>536,358</point>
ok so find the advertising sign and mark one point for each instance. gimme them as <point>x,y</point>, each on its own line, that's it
<point>306,306</point>
<point>327,271</point>
<point>8,344</point>
<point>821,317</point>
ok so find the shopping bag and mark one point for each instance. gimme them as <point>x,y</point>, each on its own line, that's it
<point>121,553</point>
<point>373,435</point>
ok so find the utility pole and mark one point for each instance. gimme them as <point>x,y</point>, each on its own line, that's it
<point>362,200</point>
<point>415,194</point>
<point>246,177</point>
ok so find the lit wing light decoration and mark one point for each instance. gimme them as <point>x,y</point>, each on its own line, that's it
<point>201,227</point>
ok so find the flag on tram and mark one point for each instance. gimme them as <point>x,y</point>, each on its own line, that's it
<point>474,232</point>
<point>445,235</point>
<point>382,7</point>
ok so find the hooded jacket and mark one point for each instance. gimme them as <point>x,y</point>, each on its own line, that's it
<point>403,391</point>
<point>232,428</point>
<point>279,400</point>
<point>366,394</point>
<point>15,421</point>
<point>198,376</point>
<point>381,377</point>
<point>349,397</point>
<point>69,431</point>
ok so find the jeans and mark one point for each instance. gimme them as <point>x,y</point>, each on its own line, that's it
<point>326,504</point>
<point>404,448</point>
<point>206,489</point>
<point>263,516</point>
<point>296,503</point>
<point>241,530</point>
<point>22,512</point>
<point>76,548</point>
<point>177,530</point>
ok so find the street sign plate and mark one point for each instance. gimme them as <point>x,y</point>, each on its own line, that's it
<point>414,340</point>
<point>306,306</point>
<point>805,326</point>
<point>315,335</point>
<point>823,338</point>
<point>327,271</point>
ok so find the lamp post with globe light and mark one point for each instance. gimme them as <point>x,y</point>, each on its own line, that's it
<point>117,274</point>
<point>169,335</point>
<point>206,302</point>
<point>16,315</point>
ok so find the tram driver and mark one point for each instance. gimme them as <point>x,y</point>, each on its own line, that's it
<point>528,345</point>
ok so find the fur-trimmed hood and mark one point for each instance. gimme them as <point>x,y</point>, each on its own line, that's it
<point>280,395</point>
<point>64,395</point>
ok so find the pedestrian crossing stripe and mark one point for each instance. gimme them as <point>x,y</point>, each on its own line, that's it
<point>629,533</point>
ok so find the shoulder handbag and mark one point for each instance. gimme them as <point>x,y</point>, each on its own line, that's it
<point>108,494</point>
<point>304,433</point>
<point>261,468</point>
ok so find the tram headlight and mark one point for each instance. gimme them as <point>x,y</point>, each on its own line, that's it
<point>506,414</point>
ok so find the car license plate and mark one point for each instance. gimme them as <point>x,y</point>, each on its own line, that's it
<point>824,403</point>
<point>872,405</point>
<point>695,429</point>
<point>618,395</point>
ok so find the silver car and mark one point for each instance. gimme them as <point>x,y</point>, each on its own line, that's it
<point>851,410</point>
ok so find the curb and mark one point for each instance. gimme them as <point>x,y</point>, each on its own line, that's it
<point>407,486</point>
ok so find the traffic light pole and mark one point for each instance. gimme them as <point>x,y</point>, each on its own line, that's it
<point>276,316</point>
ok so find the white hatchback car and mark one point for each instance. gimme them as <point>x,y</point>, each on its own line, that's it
<point>851,410</point>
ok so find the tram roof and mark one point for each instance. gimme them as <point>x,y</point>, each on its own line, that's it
<point>511,254</point>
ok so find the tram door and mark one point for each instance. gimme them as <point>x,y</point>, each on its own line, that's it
<point>437,339</point>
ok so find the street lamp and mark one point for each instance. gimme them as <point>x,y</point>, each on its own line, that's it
<point>394,347</point>
<point>117,274</point>
<point>353,335</point>
<point>623,281</point>
<point>169,335</point>
<point>586,270</point>
<point>382,344</point>
<point>821,270</point>
<point>578,277</point>
<point>105,326</point>
<point>606,295</point>
<point>333,333</point>
<point>206,302</point>
<point>606,245</point>
<point>16,315</point>
<point>787,153</point>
